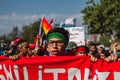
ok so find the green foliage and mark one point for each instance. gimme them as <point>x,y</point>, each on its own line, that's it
<point>30,31</point>
<point>102,17</point>
<point>105,40</point>
<point>118,35</point>
<point>5,38</point>
<point>15,33</point>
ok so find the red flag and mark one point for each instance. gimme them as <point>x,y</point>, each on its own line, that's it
<point>52,20</point>
<point>46,26</point>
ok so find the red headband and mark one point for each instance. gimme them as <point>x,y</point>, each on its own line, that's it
<point>81,49</point>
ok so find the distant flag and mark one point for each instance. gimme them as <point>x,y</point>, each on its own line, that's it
<point>61,24</point>
<point>52,20</point>
<point>43,29</point>
<point>70,22</point>
<point>45,25</point>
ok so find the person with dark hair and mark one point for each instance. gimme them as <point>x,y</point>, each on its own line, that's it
<point>71,48</point>
<point>57,40</point>
<point>102,52</point>
<point>82,51</point>
<point>93,52</point>
<point>61,31</point>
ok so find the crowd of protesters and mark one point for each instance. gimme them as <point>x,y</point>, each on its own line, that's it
<point>57,44</point>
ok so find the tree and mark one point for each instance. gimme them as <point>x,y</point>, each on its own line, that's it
<point>105,40</point>
<point>15,33</point>
<point>30,31</point>
<point>102,17</point>
<point>5,38</point>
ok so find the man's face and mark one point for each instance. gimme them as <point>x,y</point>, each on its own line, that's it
<point>93,49</point>
<point>56,47</point>
<point>24,50</point>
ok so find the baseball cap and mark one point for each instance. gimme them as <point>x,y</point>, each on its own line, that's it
<point>71,45</point>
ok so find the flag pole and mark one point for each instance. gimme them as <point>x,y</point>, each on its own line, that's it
<point>40,33</point>
<point>40,28</point>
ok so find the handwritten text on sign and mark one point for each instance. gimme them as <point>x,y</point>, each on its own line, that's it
<point>76,35</point>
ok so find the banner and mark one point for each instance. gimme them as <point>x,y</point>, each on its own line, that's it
<point>58,68</point>
<point>102,70</point>
<point>45,68</point>
<point>77,35</point>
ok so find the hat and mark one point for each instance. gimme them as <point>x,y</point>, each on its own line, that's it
<point>16,41</point>
<point>71,45</point>
<point>101,46</point>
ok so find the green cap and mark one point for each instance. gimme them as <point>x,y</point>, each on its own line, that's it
<point>71,45</point>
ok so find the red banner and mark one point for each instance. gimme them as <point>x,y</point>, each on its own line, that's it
<point>58,68</point>
<point>102,70</point>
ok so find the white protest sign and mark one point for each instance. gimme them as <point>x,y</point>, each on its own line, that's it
<point>76,35</point>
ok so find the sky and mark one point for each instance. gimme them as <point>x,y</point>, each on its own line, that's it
<point>24,12</point>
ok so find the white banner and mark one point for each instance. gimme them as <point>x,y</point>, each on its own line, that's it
<point>77,35</point>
